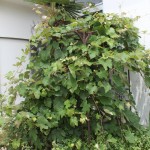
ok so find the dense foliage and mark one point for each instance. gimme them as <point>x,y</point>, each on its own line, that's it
<point>76,87</point>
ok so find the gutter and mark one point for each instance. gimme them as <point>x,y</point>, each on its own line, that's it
<point>12,38</point>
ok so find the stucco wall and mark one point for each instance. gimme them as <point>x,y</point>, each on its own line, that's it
<point>136,8</point>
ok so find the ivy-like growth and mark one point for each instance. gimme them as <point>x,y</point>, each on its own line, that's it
<point>76,87</point>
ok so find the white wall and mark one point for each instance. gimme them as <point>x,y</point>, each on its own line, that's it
<point>9,50</point>
<point>136,8</point>
<point>16,21</point>
<point>16,18</point>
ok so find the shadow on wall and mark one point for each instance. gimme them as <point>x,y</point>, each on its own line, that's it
<point>141,97</point>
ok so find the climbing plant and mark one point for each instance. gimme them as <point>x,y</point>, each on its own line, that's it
<point>76,87</point>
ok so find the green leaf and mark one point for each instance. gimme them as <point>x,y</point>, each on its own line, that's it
<point>105,63</point>
<point>120,105</point>
<point>57,35</point>
<point>58,53</point>
<point>132,118</point>
<point>117,80</point>
<point>83,118</point>
<point>71,83</point>
<point>70,112</point>
<point>106,100</point>
<point>130,137</point>
<point>42,122</point>
<point>58,134</point>
<point>37,94</point>
<point>16,143</point>
<point>73,121</point>
<point>72,70</point>
<point>78,144</point>
<point>91,88</point>
<point>58,103</point>
<point>81,62</point>
<point>67,104</point>
<point>102,74</point>
<point>22,89</point>
<point>9,75</point>
<point>85,106</point>
<point>46,81</point>
<point>111,32</point>
<point>57,66</point>
<point>33,134</point>
<point>44,54</point>
<point>2,121</point>
<point>93,53</point>
<point>111,139</point>
<point>107,87</point>
<point>48,102</point>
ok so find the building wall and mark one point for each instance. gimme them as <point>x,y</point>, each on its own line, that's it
<point>136,8</point>
<point>17,18</point>
<point>16,21</point>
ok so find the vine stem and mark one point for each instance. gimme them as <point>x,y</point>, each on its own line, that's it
<point>89,128</point>
<point>119,123</point>
<point>53,6</point>
<point>98,111</point>
<point>84,36</point>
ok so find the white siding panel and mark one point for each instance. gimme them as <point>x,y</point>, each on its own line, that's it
<point>9,50</point>
<point>16,19</point>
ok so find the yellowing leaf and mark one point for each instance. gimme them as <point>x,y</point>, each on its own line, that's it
<point>109,110</point>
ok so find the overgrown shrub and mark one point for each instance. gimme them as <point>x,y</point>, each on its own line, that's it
<point>76,87</point>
